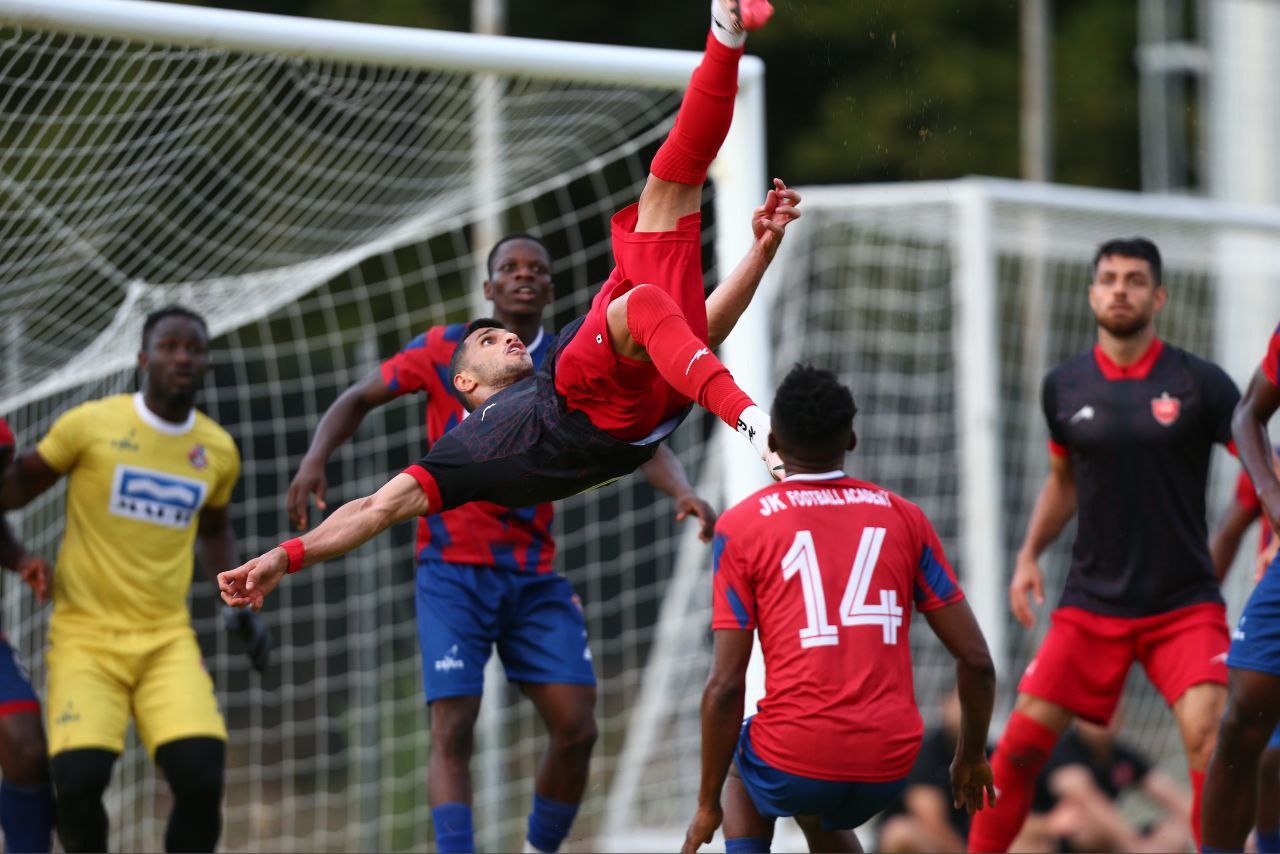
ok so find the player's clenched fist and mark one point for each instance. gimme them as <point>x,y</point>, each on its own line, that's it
<point>248,584</point>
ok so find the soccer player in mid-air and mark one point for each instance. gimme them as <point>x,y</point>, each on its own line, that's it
<point>26,796</point>
<point>838,729</point>
<point>1253,708</point>
<point>626,372</point>
<point>149,478</point>
<point>485,574</point>
<point>1131,427</point>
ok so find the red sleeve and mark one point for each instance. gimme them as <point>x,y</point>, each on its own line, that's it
<point>6,435</point>
<point>1246,495</point>
<point>733,600</point>
<point>1271,364</point>
<point>1058,450</point>
<point>414,367</point>
<point>936,584</point>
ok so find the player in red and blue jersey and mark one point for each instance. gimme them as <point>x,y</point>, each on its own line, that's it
<point>26,795</point>
<point>1253,703</point>
<point>1132,425</point>
<point>484,571</point>
<point>826,569</point>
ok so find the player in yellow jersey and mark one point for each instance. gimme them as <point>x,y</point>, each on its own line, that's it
<point>148,477</point>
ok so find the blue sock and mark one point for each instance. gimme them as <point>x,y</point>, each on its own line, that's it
<point>747,845</point>
<point>26,816</point>
<point>453,828</point>
<point>1269,841</point>
<point>549,822</point>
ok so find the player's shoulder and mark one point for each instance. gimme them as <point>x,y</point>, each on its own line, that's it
<point>1198,366</point>
<point>211,433</point>
<point>1081,367</point>
<point>436,341</point>
<point>101,410</point>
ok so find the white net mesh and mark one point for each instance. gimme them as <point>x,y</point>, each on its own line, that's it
<point>319,214</point>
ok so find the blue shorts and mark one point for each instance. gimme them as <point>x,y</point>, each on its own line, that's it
<point>840,805</point>
<point>535,620</point>
<point>16,693</point>
<point>1255,644</point>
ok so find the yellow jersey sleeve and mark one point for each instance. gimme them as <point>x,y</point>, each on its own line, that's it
<point>61,446</point>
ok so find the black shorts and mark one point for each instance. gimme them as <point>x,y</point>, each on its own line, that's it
<point>522,447</point>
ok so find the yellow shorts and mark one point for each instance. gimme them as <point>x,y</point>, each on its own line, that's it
<point>99,676</point>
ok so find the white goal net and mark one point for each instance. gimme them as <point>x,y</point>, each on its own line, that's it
<point>320,191</point>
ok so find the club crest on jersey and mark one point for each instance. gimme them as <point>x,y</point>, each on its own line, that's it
<point>156,497</point>
<point>197,457</point>
<point>1166,409</point>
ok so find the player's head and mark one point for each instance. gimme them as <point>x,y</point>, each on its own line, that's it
<point>812,420</point>
<point>519,280</point>
<point>1127,291</point>
<point>175,352</point>
<point>487,360</point>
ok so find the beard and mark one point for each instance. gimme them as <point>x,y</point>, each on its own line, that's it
<point>510,374</point>
<point>1126,327</point>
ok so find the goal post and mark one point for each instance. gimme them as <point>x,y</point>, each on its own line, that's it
<point>314,189</point>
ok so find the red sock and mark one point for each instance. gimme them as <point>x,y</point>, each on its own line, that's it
<point>1022,752</point>
<point>704,117</point>
<point>684,360</point>
<point>1197,796</point>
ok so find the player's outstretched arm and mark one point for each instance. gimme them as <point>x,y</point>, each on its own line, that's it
<point>666,473</point>
<point>722,702</point>
<point>1054,508</point>
<point>958,630</point>
<point>351,525</point>
<point>732,296</point>
<point>1249,429</point>
<point>338,424</point>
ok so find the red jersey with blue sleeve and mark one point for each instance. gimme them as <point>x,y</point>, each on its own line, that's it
<point>479,533</point>
<point>1271,364</point>
<point>826,568</point>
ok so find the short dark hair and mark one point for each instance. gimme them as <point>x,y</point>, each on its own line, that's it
<point>154,318</point>
<point>1132,247</point>
<point>460,353</point>
<point>493,253</point>
<point>812,408</point>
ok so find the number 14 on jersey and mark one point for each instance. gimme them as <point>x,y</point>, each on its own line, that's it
<point>802,559</point>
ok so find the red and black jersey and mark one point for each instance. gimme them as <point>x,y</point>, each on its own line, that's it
<point>1139,438</point>
<point>826,568</point>
<point>479,533</point>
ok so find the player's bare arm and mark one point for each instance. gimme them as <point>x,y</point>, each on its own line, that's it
<point>666,474</point>
<point>1249,429</point>
<point>33,570</point>
<point>1054,508</point>
<point>351,525</point>
<point>1226,539</point>
<point>26,479</point>
<point>722,703</point>
<point>971,775</point>
<point>732,296</point>
<point>338,424</point>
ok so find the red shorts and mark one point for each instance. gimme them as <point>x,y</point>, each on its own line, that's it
<point>1085,657</point>
<point>624,397</point>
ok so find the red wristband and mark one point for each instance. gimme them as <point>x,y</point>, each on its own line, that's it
<point>294,549</point>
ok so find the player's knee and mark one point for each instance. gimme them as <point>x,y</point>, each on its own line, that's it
<point>1240,730</point>
<point>80,777</point>
<point>453,735</point>
<point>578,737</point>
<point>28,760</point>
<point>194,768</point>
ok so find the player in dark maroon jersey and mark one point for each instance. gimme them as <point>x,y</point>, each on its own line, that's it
<point>1131,428</point>
<point>622,377</point>
<point>484,571</point>
<point>1253,709</point>
<point>838,728</point>
<point>26,795</point>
